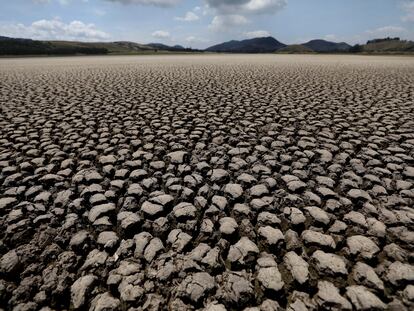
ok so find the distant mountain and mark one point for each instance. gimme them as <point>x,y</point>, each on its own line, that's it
<point>17,46</point>
<point>388,45</point>
<point>256,45</point>
<point>295,48</point>
<point>158,46</point>
<point>120,46</point>
<point>326,46</point>
<point>387,39</point>
<point>20,46</point>
<point>180,47</point>
<point>165,47</point>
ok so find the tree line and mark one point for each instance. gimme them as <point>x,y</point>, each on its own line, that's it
<point>10,46</point>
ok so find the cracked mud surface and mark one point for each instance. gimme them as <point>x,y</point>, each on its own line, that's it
<point>207,182</point>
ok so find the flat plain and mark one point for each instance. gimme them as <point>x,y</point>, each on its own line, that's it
<point>216,182</point>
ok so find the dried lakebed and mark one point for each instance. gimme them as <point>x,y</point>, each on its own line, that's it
<point>225,182</point>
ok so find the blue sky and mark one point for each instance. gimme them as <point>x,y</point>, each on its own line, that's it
<point>201,23</point>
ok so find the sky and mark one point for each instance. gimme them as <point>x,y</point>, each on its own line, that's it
<point>202,23</point>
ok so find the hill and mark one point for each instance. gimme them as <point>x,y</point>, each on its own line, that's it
<point>13,46</point>
<point>388,45</point>
<point>118,47</point>
<point>17,46</point>
<point>164,47</point>
<point>323,46</point>
<point>295,48</point>
<point>255,45</point>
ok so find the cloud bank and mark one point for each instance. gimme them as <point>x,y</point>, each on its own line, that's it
<point>188,17</point>
<point>408,8</point>
<point>161,34</point>
<point>246,6</point>
<point>224,22</point>
<point>54,29</point>
<point>159,3</point>
<point>256,34</point>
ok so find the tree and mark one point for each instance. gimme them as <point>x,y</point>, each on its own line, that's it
<point>356,49</point>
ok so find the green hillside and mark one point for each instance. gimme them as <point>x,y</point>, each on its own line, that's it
<point>12,46</point>
<point>15,46</point>
<point>120,47</point>
<point>388,46</point>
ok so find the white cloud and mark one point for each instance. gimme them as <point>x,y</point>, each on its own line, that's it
<point>225,22</point>
<point>188,17</point>
<point>55,29</point>
<point>161,34</point>
<point>193,39</point>
<point>363,37</point>
<point>330,37</point>
<point>247,6</point>
<point>99,12</point>
<point>204,9</point>
<point>159,3</point>
<point>408,8</point>
<point>62,2</point>
<point>386,31</point>
<point>256,34</point>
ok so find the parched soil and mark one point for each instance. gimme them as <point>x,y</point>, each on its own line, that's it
<point>218,182</point>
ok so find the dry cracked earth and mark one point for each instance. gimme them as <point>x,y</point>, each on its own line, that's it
<point>207,182</point>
